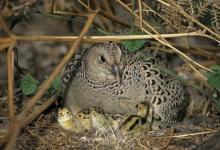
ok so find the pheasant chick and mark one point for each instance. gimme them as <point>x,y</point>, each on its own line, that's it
<point>84,118</point>
<point>99,120</point>
<point>65,119</point>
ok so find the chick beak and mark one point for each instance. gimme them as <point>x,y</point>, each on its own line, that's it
<point>116,72</point>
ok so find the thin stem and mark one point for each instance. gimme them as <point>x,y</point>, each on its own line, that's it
<point>132,17</point>
<point>140,13</point>
<point>95,39</point>
<point>10,66</point>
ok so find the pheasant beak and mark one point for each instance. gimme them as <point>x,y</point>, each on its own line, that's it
<point>116,72</point>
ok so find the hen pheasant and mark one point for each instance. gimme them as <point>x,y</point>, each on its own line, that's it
<point>108,76</point>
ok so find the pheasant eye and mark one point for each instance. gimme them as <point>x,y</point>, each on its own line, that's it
<point>101,59</point>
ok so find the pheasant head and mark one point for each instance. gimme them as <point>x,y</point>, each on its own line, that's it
<point>104,62</point>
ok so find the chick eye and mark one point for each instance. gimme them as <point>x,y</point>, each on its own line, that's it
<point>101,59</point>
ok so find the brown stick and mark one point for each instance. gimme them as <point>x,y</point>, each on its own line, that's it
<point>16,127</point>
<point>12,137</point>
<point>39,110</point>
<point>106,14</point>
<point>95,39</point>
<point>10,66</point>
<point>5,27</point>
<point>114,18</point>
<point>103,21</point>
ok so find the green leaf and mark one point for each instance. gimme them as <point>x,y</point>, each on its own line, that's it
<point>214,80</point>
<point>133,45</point>
<point>216,68</point>
<point>57,83</point>
<point>218,104</point>
<point>214,77</point>
<point>28,85</point>
<point>29,89</point>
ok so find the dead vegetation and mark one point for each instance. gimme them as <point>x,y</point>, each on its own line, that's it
<point>184,28</point>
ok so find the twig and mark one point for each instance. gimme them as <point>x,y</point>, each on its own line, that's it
<point>106,14</point>
<point>187,134</point>
<point>158,14</point>
<point>114,18</point>
<point>140,13</point>
<point>95,39</point>
<point>84,5</point>
<point>164,3</point>
<point>194,134</point>
<point>3,136</point>
<point>55,11</point>
<point>3,46</point>
<point>5,27</point>
<point>12,137</point>
<point>25,4</point>
<point>107,7</point>
<point>69,13</point>
<point>40,109</point>
<point>199,73</point>
<point>144,147</point>
<point>10,67</point>
<point>207,63</point>
<point>135,15</point>
<point>42,140</point>
<point>168,140</point>
<point>103,21</point>
<point>202,52</point>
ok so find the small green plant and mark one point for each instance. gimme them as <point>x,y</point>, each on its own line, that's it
<point>28,85</point>
<point>57,84</point>
<point>214,77</point>
<point>133,45</point>
<point>55,87</point>
<point>214,82</point>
